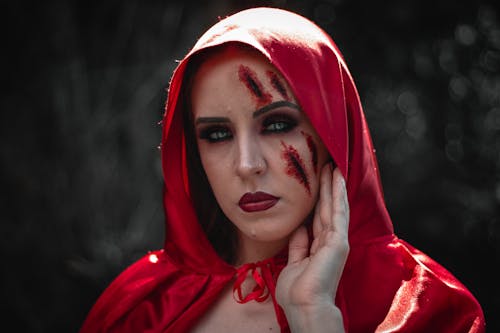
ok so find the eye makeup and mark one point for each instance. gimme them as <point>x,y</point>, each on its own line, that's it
<point>214,133</point>
<point>312,149</point>
<point>278,123</point>
<point>249,78</point>
<point>215,129</point>
<point>294,165</point>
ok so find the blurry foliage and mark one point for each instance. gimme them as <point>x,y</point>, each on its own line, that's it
<point>81,175</point>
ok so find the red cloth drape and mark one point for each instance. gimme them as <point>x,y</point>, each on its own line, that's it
<point>387,284</point>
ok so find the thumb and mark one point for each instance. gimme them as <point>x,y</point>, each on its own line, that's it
<point>298,247</point>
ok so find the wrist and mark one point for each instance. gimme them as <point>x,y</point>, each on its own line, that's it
<point>322,316</point>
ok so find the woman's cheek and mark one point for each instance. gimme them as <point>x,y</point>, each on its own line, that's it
<point>313,150</point>
<point>294,165</point>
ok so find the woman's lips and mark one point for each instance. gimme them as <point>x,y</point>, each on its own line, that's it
<point>258,201</point>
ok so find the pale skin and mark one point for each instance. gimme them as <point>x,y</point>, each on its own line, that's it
<point>251,137</point>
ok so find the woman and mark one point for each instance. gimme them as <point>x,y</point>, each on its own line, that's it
<point>262,125</point>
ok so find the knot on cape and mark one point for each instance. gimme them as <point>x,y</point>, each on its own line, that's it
<point>264,274</point>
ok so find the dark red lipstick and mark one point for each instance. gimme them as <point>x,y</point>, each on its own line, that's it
<point>258,201</point>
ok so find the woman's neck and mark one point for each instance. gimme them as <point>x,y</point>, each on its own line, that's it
<point>251,250</point>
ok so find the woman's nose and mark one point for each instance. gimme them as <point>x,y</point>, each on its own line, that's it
<point>250,160</point>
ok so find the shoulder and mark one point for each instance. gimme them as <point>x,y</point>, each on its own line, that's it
<point>403,289</point>
<point>127,289</point>
<point>429,297</point>
<point>444,303</point>
<point>154,294</point>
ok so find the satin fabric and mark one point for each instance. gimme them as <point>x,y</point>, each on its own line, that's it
<point>387,284</point>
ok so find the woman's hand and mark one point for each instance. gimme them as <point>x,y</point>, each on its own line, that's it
<point>307,286</point>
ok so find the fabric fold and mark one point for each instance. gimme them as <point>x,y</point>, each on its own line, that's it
<point>386,285</point>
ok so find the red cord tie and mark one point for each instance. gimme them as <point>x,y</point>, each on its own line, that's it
<point>264,273</point>
<point>264,282</point>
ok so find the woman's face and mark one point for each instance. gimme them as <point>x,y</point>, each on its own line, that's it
<point>261,155</point>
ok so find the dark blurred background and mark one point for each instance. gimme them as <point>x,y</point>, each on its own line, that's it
<point>84,88</point>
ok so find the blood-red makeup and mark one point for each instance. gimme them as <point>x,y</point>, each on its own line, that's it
<point>312,149</point>
<point>295,165</point>
<point>249,78</point>
<point>277,84</point>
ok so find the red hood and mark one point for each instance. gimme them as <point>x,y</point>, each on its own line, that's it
<point>387,284</point>
<point>310,61</point>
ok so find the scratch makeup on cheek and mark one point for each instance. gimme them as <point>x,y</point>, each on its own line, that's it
<point>312,148</point>
<point>249,78</point>
<point>294,165</point>
<point>276,83</point>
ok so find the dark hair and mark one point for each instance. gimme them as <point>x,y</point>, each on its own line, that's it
<point>219,230</point>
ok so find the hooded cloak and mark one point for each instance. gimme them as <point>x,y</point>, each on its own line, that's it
<point>387,284</point>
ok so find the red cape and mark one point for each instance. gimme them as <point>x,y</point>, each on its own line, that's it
<point>387,284</point>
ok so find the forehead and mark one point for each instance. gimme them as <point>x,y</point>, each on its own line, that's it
<point>235,78</point>
<point>225,63</point>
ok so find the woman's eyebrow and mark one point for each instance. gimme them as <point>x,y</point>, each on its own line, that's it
<point>275,105</point>
<point>264,109</point>
<point>205,120</point>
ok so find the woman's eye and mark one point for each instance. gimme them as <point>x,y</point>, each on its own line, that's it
<point>278,125</point>
<point>216,134</point>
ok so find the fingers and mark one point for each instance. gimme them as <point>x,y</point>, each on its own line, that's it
<point>324,263</point>
<point>340,204</point>
<point>332,209</point>
<point>324,209</point>
<point>333,243</point>
<point>298,247</point>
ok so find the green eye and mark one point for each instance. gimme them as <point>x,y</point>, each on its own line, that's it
<point>218,135</point>
<point>278,123</point>
<point>215,134</point>
<point>277,127</point>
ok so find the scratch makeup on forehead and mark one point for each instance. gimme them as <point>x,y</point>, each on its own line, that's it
<point>249,78</point>
<point>278,85</point>
<point>313,149</point>
<point>294,165</point>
